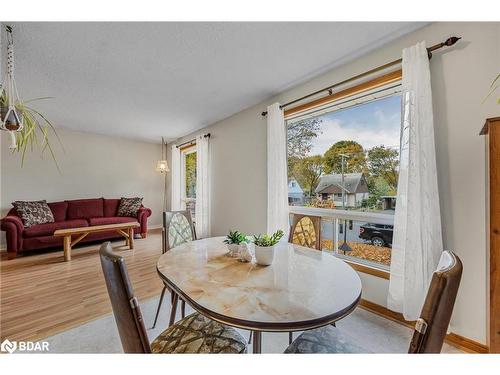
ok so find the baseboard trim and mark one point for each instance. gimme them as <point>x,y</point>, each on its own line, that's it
<point>466,344</point>
<point>385,312</point>
<point>460,342</point>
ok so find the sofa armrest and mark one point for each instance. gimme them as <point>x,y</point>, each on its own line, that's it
<point>142,218</point>
<point>15,220</point>
<point>13,227</point>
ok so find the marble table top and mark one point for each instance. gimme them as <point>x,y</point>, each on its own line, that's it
<point>303,288</point>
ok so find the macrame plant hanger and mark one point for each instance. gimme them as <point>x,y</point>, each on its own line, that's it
<point>11,120</point>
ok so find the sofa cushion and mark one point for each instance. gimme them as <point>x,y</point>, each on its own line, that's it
<point>129,206</point>
<point>59,210</point>
<point>85,208</point>
<point>110,220</point>
<point>34,212</point>
<point>48,229</point>
<point>111,207</point>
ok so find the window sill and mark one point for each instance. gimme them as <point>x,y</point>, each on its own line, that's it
<point>368,270</point>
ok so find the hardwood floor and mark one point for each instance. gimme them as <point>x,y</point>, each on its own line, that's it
<point>41,295</point>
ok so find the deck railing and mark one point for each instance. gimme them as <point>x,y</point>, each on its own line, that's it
<point>338,225</point>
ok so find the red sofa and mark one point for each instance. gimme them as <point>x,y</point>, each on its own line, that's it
<point>68,214</point>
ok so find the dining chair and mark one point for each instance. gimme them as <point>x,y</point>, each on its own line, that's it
<point>177,229</point>
<point>430,328</point>
<point>305,231</point>
<point>192,334</point>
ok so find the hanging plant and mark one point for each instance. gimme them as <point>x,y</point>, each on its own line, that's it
<point>36,130</point>
<point>28,128</point>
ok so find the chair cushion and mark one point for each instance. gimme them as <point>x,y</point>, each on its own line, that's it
<point>129,206</point>
<point>111,207</point>
<point>197,334</point>
<point>111,220</point>
<point>33,213</point>
<point>85,208</point>
<point>326,339</point>
<point>59,210</point>
<point>48,229</point>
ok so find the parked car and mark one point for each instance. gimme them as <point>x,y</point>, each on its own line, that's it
<point>377,234</point>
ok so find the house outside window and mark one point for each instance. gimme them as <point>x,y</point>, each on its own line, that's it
<point>346,159</point>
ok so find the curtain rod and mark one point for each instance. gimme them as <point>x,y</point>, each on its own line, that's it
<point>192,141</point>
<point>447,43</point>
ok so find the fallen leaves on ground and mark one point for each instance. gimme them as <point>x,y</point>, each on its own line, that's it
<point>363,251</point>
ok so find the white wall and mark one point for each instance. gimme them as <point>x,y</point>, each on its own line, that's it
<point>460,79</point>
<point>91,166</point>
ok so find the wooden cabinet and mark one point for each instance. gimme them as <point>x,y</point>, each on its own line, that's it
<point>492,131</point>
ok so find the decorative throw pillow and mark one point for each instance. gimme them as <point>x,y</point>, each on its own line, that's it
<point>32,213</point>
<point>129,206</point>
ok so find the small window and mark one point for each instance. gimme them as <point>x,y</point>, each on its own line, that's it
<point>189,167</point>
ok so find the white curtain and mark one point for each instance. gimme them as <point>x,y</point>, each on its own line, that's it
<point>277,186</point>
<point>417,243</point>
<point>202,215</point>
<point>176,204</point>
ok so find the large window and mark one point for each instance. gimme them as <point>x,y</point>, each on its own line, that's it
<point>188,168</point>
<point>347,160</point>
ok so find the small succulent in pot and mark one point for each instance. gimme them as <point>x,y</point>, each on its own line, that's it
<point>233,240</point>
<point>264,247</point>
<point>264,240</point>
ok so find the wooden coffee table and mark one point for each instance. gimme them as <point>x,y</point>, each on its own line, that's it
<point>125,229</point>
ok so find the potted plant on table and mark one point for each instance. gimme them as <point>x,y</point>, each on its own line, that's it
<point>234,240</point>
<point>264,247</point>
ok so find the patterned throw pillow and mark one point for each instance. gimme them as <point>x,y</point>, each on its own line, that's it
<point>129,206</point>
<point>32,213</point>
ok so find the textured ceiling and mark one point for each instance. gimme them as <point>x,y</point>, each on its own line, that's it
<point>147,80</point>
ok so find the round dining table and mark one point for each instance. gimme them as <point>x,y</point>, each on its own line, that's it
<point>302,289</point>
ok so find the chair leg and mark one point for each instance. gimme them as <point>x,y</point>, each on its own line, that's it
<point>183,309</point>
<point>159,305</point>
<point>250,338</point>
<point>175,299</point>
<point>290,337</point>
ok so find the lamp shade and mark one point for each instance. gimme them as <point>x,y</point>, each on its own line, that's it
<point>162,166</point>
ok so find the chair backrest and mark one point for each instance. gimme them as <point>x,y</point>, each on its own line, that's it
<point>125,306</point>
<point>306,231</point>
<point>431,327</point>
<point>178,228</point>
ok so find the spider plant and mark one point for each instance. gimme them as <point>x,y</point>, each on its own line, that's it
<point>36,131</point>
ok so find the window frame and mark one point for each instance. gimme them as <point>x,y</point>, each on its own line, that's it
<point>189,149</point>
<point>352,94</point>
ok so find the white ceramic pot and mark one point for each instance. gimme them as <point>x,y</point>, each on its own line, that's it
<point>264,255</point>
<point>234,249</point>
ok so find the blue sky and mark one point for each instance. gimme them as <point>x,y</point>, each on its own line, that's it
<point>371,124</point>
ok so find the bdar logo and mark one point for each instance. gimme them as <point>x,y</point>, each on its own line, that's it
<point>8,346</point>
